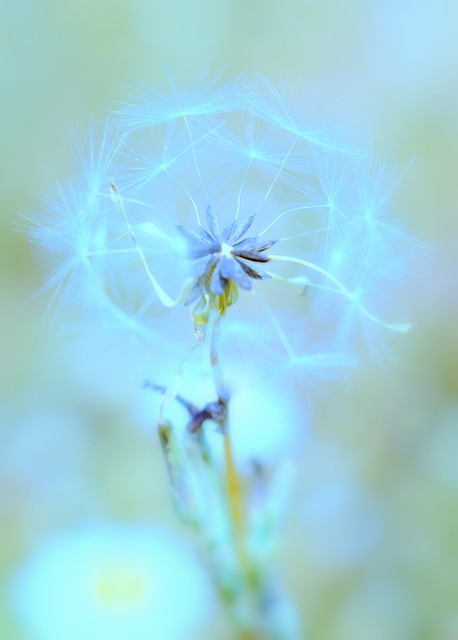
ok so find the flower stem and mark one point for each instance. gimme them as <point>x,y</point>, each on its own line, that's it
<point>215,504</point>
<point>235,499</point>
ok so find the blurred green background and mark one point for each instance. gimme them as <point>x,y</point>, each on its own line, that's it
<point>67,456</point>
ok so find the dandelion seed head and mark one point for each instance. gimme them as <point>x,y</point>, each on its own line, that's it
<point>220,199</point>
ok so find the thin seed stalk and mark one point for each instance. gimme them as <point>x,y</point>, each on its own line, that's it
<point>235,498</point>
<point>215,504</point>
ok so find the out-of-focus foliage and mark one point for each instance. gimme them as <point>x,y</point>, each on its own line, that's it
<point>371,540</point>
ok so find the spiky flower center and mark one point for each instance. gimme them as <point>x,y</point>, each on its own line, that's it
<point>220,263</point>
<point>226,249</point>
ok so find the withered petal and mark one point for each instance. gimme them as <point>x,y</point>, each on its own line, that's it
<point>200,236</point>
<point>256,275</point>
<point>212,222</point>
<point>254,244</point>
<point>250,255</point>
<point>218,284</point>
<point>235,231</point>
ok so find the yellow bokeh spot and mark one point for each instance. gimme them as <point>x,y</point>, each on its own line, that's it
<point>120,587</point>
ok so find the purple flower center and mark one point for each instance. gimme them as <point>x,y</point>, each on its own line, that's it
<point>225,254</point>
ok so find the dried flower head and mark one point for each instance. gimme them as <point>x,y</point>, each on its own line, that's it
<point>182,205</point>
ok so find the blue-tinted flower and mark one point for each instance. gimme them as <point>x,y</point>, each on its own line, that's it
<point>219,195</point>
<point>225,254</point>
<point>110,580</point>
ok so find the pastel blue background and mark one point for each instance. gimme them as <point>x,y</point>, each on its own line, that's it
<point>371,541</point>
